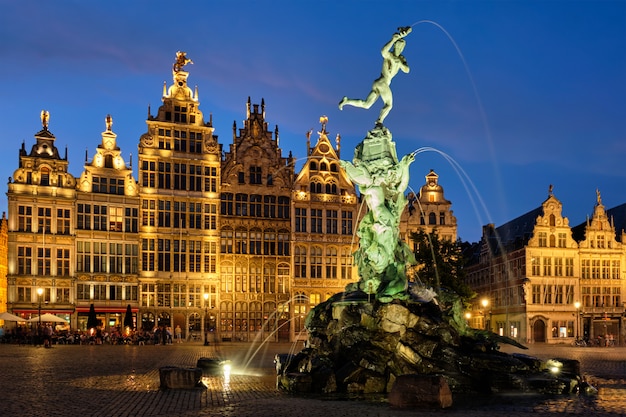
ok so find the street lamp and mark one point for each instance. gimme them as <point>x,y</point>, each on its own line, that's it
<point>39,294</point>
<point>206,299</point>
<point>484,302</point>
<point>577,305</point>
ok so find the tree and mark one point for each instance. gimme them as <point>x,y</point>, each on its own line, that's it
<point>440,265</point>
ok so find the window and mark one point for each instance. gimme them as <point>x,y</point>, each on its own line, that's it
<point>562,240</point>
<point>569,267</point>
<point>99,256</point>
<point>534,262</point>
<point>543,239</point>
<point>269,206</point>
<point>346,264</point>
<point>210,217</point>
<point>180,214</point>
<point>615,269</point>
<point>24,218</point>
<point>255,175</point>
<point>180,141</point>
<point>44,219</point>
<point>116,258</point>
<point>241,204</point>
<point>255,205</point>
<point>269,242</point>
<point>43,261</point>
<point>165,169</point>
<point>316,262</point>
<point>148,252</point>
<point>316,221</point>
<point>148,174</point>
<point>116,219</point>
<point>283,243</point>
<point>301,219</point>
<point>195,178</point>
<point>585,269</point>
<point>148,208</point>
<point>226,241</point>
<point>180,177</point>
<point>283,207</point>
<point>83,291</point>
<point>210,257</point>
<point>227,204</point>
<point>331,262</point>
<point>163,255</point>
<point>346,223</point>
<point>84,217</point>
<point>63,262</point>
<point>130,258</point>
<point>536,294</point>
<point>432,218</point>
<point>210,179</point>
<point>547,267</point>
<point>63,221</point>
<point>558,267</point>
<point>255,241</point>
<point>24,260</point>
<point>300,262</point>
<point>130,220</point>
<point>195,142</point>
<point>331,222</point>
<point>241,241</point>
<point>100,218</point>
<point>442,217</point>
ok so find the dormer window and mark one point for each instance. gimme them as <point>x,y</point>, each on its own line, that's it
<point>45,176</point>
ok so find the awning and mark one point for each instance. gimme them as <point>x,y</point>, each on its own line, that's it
<point>106,309</point>
<point>43,310</point>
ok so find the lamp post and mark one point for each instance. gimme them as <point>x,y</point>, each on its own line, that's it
<point>39,294</point>
<point>577,305</point>
<point>206,299</point>
<point>484,302</point>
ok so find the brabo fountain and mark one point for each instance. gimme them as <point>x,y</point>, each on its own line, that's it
<point>382,336</point>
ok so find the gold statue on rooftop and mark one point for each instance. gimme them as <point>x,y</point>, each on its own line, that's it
<point>181,61</point>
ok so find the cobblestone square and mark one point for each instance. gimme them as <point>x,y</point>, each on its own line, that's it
<point>106,380</point>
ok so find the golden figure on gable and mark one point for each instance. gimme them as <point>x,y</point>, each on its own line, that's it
<point>181,61</point>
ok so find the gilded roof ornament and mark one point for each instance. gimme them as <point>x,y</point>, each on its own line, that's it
<point>45,119</point>
<point>181,61</point>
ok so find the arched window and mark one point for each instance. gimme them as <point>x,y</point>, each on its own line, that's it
<point>552,220</point>
<point>432,218</point>
<point>108,161</point>
<point>323,166</point>
<point>313,166</point>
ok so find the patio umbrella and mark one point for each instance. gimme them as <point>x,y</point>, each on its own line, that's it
<point>6,316</point>
<point>47,318</point>
<point>128,318</point>
<point>92,320</point>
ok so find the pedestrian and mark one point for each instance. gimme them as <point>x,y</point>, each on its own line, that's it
<point>179,334</point>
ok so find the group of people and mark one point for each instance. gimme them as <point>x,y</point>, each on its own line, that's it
<point>47,336</point>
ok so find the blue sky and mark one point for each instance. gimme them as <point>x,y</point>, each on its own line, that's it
<point>521,94</point>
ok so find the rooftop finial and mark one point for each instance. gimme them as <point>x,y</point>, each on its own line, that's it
<point>109,122</point>
<point>598,197</point>
<point>323,121</point>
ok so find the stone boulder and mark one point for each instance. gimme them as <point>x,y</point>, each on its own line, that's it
<point>420,391</point>
<point>172,377</point>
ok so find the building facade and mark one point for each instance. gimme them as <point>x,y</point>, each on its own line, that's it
<point>428,211</point>
<point>539,282</point>
<point>325,213</point>
<point>4,260</point>
<point>227,244</point>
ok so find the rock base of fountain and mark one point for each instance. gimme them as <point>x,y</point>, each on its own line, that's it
<point>172,377</point>
<point>358,346</point>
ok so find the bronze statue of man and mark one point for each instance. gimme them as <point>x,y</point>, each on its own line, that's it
<point>393,61</point>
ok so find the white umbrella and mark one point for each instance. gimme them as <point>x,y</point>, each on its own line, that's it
<point>6,316</point>
<point>45,318</point>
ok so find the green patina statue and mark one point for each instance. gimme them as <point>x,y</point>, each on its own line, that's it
<point>382,257</point>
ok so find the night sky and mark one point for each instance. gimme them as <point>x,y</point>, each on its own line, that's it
<point>518,94</point>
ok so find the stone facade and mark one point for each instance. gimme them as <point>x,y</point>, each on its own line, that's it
<point>231,243</point>
<point>545,281</point>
